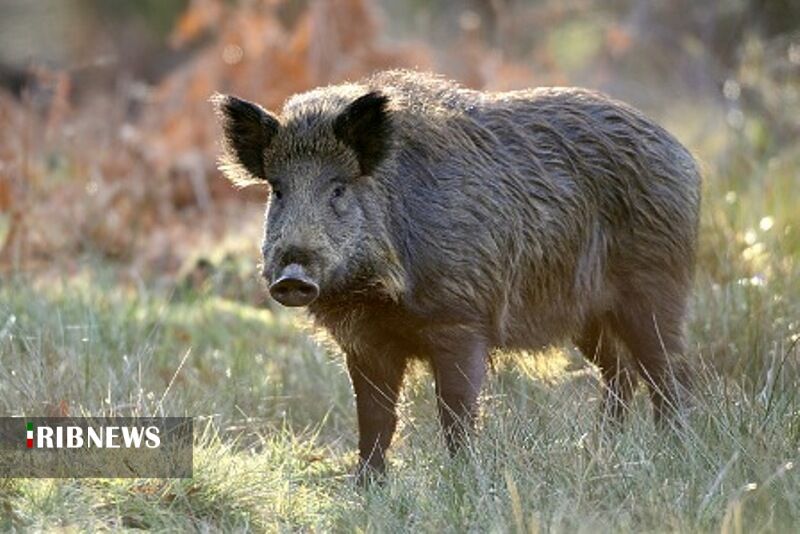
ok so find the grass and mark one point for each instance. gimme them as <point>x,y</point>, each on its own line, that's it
<point>276,436</point>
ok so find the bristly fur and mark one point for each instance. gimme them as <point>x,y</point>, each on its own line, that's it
<point>476,220</point>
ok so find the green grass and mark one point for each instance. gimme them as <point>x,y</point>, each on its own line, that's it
<point>276,432</point>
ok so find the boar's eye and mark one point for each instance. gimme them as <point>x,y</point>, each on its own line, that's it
<point>277,193</point>
<point>338,191</point>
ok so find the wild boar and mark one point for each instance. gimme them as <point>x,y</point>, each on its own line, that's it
<point>415,218</point>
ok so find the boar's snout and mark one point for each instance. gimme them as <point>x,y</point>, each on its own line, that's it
<point>293,287</point>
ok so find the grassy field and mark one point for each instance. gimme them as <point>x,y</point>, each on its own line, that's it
<point>275,419</point>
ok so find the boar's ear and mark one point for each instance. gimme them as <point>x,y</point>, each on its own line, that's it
<point>365,127</point>
<point>247,130</point>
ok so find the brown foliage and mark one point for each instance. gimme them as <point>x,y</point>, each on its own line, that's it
<point>135,186</point>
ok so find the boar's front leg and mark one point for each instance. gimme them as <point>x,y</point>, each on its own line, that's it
<point>376,383</point>
<point>459,366</point>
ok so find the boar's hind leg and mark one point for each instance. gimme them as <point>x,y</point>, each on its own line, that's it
<point>597,345</point>
<point>459,367</point>
<point>652,333</point>
<point>376,383</point>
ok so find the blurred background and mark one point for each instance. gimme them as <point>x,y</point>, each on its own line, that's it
<point>108,144</point>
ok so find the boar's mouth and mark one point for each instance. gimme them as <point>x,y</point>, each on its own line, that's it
<point>293,287</point>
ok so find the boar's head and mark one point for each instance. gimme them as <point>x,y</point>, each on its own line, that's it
<point>325,226</point>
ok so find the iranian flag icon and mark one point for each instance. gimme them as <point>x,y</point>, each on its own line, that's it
<point>30,435</point>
